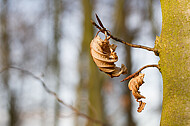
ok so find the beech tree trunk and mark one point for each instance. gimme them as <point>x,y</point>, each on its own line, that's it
<point>57,6</point>
<point>5,61</point>
<point>174,53</point>
<point>122,12</point>
<point>91,80</point>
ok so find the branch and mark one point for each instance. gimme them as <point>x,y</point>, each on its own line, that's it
<point>55,95</point>
<point>119,40</point>
<point>136,73</point>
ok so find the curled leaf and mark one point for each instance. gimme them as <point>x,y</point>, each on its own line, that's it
<point>134,85</point>
<point>141,106</point>
<point>104,56</point>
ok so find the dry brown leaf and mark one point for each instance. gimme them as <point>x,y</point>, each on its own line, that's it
<point>141,106</point>
<point>104,56</point>
<point>134,85</point>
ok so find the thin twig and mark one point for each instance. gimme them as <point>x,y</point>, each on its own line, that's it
<point>99,21</point>
<point>119,40</point>
<point>136,73</point>
<point>55,95</point>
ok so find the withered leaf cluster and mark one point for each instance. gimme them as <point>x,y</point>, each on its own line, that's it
<point>134,85</point>
<point>104,55</point>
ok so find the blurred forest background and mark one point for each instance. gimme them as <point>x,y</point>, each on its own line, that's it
<point>51,39</point>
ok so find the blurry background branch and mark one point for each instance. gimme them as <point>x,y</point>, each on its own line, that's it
<point>77,112</point>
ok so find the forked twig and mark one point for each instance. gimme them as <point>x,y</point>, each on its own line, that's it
<point>77,112</point>
<point>99,21</point>
<point>136,73</point>
<point>103,29</point>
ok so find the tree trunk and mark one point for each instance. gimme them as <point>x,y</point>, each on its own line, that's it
<point>57,4</point>
<point>174,48</point>
<point>84,69</point>
<point>122,12</point>
<point>5,61</point>
<point>94,86</point>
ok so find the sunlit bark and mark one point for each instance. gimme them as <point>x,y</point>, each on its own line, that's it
<point>174,48</point>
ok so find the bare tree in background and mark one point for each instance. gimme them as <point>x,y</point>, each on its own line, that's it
<point>91,81</point>
<point>122,29</point>
<point>57,11</point>
<point>155,30</point>
<point>122,13</point>
<point>5,61</point>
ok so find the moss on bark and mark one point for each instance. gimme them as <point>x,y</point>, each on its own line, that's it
<point>174,52</point>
